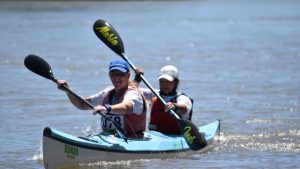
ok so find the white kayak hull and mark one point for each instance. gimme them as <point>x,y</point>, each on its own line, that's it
<point>63,150</point>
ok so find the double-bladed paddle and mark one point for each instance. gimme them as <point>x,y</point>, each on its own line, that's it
<point>112,39</point>
<point>39,66</point>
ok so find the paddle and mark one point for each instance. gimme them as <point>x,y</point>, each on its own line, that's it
<point>39,66</point>
<point>112,39</point>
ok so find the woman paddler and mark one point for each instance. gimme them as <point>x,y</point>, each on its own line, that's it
<point>161,119</point>
<point>123,101</point>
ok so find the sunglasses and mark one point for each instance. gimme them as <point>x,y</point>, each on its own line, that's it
<point>117,74</point>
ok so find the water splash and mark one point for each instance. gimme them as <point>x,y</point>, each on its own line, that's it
<point>105,164</point>
<point>92,128</point>
<point>116,164</point>
<point>258,121</point>
<point>38,156</point>
<point>277,141</point>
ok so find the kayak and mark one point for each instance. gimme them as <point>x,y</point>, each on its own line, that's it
<point>63,150</point>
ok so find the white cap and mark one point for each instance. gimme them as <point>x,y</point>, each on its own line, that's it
<point>169,72</point>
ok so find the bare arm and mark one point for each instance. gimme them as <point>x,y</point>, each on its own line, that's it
<point>74,100</point>
<point>138,71</point>
<point>79,103</point>
<point>180,109</point>
<point>120,108</point>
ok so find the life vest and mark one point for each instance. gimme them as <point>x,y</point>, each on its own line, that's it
<point>134,125</point>
<point>164,121</point>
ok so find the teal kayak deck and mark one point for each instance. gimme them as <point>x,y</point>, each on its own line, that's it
<point>153,141</point>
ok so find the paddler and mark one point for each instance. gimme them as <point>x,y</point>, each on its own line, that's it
<point>123,101</point>
<point>161,120</point>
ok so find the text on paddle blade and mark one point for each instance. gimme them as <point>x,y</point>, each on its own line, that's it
<point>188,136</point>
<point>108,35</point>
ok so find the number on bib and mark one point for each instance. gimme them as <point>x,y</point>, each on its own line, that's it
<point>107,124</point>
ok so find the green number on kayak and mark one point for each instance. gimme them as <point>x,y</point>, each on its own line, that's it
<point>71,151</point>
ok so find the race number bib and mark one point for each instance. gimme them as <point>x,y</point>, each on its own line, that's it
<point>107,124</point>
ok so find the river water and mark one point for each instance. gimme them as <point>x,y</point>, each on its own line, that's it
<point>238,59</point>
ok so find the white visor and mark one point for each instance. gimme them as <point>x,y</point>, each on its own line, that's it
<point>168,77</point>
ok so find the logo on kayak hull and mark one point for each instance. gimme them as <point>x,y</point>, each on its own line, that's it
<point>71,151</point>
<point>106,33</point>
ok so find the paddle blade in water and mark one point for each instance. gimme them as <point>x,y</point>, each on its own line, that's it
<point>38,66</point>
<point>193,137</point>
<point>109,36</point>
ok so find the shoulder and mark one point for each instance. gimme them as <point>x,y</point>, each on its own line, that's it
<point>133,93</point>
<point>108,88</point>
<point>102,93</point>
<point>134,96</point>
<point>181,97</point>
<point>147,93</point>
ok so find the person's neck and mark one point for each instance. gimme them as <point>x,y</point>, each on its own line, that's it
<point>173,93</point>
<point>120,91</point>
